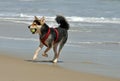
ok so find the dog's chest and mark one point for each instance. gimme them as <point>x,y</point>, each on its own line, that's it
<point>48,40</point>
<point>50,37</point>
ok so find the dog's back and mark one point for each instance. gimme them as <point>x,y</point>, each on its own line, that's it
<point>62,31</point>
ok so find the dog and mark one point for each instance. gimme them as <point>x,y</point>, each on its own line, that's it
<point>50,37</point>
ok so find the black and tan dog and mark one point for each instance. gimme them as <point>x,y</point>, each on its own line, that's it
<point>50,37</point>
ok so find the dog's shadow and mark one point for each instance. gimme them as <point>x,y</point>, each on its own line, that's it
<point>42,61</point>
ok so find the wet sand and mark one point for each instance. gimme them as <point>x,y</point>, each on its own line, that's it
<point>17,69</point>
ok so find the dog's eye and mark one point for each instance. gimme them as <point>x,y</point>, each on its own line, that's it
<point>37,22</point>
<point>34,23</point>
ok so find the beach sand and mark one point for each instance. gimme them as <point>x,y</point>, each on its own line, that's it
<point>17,69</point>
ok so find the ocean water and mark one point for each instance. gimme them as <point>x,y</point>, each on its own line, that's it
<point>94,42</point>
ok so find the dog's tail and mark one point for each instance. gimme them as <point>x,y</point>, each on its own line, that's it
<point>62,21</point>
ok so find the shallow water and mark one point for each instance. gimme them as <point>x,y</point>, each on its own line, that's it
<point>89,49</point>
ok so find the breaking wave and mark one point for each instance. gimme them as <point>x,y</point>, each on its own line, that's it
<point>24,17</point>
<point>18,39</point>
<point>91,43</point>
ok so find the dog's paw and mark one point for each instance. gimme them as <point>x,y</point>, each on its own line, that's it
<point>45,55</point>
<point>55,60</point>
<point>34,57</point>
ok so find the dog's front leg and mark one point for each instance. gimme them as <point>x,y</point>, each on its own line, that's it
<point>45,52</point>
<point>37,51</point>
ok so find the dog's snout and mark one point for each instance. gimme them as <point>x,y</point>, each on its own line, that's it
<point>28,26</point>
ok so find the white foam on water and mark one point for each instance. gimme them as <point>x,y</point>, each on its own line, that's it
<point>26,17</point>
<point>75,30</point>
<point>18,38</point>
<point>94,43</point>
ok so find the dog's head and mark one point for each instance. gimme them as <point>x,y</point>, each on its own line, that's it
<point>36,25</point>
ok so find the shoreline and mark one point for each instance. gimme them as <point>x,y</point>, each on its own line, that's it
<point>17,69</point>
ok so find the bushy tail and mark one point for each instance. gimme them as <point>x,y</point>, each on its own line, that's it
<point>62,21</point>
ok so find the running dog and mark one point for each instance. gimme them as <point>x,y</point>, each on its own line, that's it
<point>50,37</point>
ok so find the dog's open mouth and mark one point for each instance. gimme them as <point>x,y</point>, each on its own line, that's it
<point>33,30</point>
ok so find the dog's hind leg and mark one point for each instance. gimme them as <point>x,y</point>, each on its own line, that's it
<point>60,48</point>
<point>37,51</point>
<point>55,52</point>
<point>57,56</point>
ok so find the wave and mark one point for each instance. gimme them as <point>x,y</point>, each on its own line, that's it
<point>76,30</point>
<point>93,43</point>
<point>77,19</point>
<point>18,39</point>
<point>95,20</point>
<point>26,0</point>
<point>68,43</point>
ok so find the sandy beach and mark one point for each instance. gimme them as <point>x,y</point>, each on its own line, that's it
<point>16,69</point>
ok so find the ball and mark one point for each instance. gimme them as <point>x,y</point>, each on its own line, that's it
<point>32,30</point>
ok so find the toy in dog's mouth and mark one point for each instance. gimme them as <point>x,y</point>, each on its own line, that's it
<point>33,30</point>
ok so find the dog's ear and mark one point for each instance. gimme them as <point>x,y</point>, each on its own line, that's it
<point>42,20</point>
<point>36,18</point>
